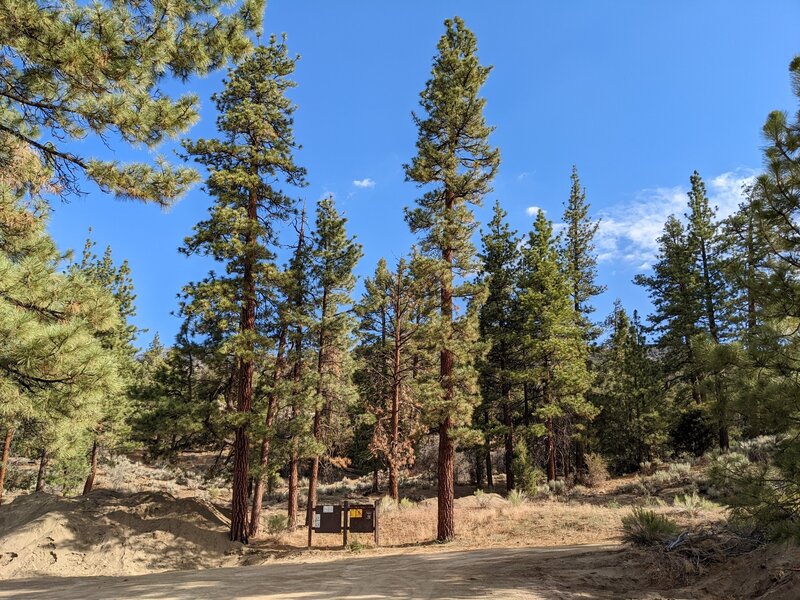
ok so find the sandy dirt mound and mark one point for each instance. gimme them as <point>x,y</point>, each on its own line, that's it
<point>110,533</point>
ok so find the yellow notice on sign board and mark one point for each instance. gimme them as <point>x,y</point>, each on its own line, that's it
<point>356,513</point>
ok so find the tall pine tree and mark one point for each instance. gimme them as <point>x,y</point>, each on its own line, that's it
<point>456,164</point>
<point>252,155</point>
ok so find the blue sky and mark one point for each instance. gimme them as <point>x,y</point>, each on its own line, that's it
<point>636,94</point>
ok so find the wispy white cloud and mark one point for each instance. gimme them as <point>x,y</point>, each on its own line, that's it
<point>628,232</point>
<point>364,183</point>
<point>532,211</point>
<point>522,176</point>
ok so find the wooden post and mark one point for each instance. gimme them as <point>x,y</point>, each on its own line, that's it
<point>377,530</point>
<point>346,522</point>
<point>311,524</point>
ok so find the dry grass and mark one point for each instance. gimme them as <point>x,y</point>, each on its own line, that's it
<point>492,521</point>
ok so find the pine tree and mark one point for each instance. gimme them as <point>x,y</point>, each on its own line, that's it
<point>334,258</point>
<point>301,388</point>
<point>101,69</point>
<point>389,336</point>
<point>579,252</point>
<point>252,155</point>
<point>673,289</point>
<point>556,348</point>
<point>456,163</point>
<point>113,424</point>
<point>703,238</point>
<point>499,327</point>
<point>54,368</point>
<point>631,426</point>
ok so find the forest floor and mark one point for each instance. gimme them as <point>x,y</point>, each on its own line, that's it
<point>151,537</point>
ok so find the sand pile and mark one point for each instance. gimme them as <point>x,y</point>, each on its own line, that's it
<point>111,533</point>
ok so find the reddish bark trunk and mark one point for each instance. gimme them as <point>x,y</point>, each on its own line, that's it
<point>446,530</point>
<point>4,460</point>
<point>394,484</point>
<point>551,451</point>
<point>313,477</point>
<point>241,444</point>
<point>43,460</point>
<point>488,457</point>
<point>87,487</point>
<point>445,518</point>
<point>508,443</point>
<point>258,494</point>
<point>292,500</point>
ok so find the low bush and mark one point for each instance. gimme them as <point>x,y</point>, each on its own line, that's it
<point>692,504</point>
<point>647,528</point>
<point>277,523</point>
<point>517,497</point>
<point>596,470</point>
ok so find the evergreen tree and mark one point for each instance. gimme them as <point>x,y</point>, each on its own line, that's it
<point>500,321</point>
<point>631,426</point>
<point>301,388</point>
<point>579,252</point>
<point>456,163</point>
<point>100,69</point>
<point>53,367</point>
<point>334,258</point>
<point>389,335</point>
<point>252,155</point>
<point>556,348</point>
<point>112,427</point>
<point>673,289</point>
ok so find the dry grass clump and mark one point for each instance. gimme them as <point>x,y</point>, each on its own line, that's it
<point>647,528</point>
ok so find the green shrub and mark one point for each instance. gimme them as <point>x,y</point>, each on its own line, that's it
<point>527,475</point>
<point>692,504</point>
<point>596,470</point>
<point>406,504</point>
<point>355,546</point>
<point>558,486</point>
<point>647,528</point>
<point>517,497</point>
<point>277,523</point>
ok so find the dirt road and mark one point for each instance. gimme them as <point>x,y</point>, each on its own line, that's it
<point>511,573</point>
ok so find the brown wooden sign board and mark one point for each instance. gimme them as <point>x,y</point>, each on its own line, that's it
<point>328,518</point>
<point>361,518</point>
<point>337,518</point>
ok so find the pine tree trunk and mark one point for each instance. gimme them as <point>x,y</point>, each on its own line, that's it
<point>551,450</point>
<point>292,500</point>
<point>244,405</point>
<point>446,518</point>
<point>314,475</point>
<point>395,441</point>
<point>509,442</point>
<point>488,451</point>
<point>480,475</point>
<point>87,487</point>
<point>314,471</point>
<point>43,459</point>
<point>258,494</point>
<point>446,522</point>
<point>4,460</point>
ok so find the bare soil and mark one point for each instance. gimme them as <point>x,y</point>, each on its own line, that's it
<point>144,542</point>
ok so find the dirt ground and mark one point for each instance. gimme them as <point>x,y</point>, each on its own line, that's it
<point>139,540</point>
<point>568,573</point>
